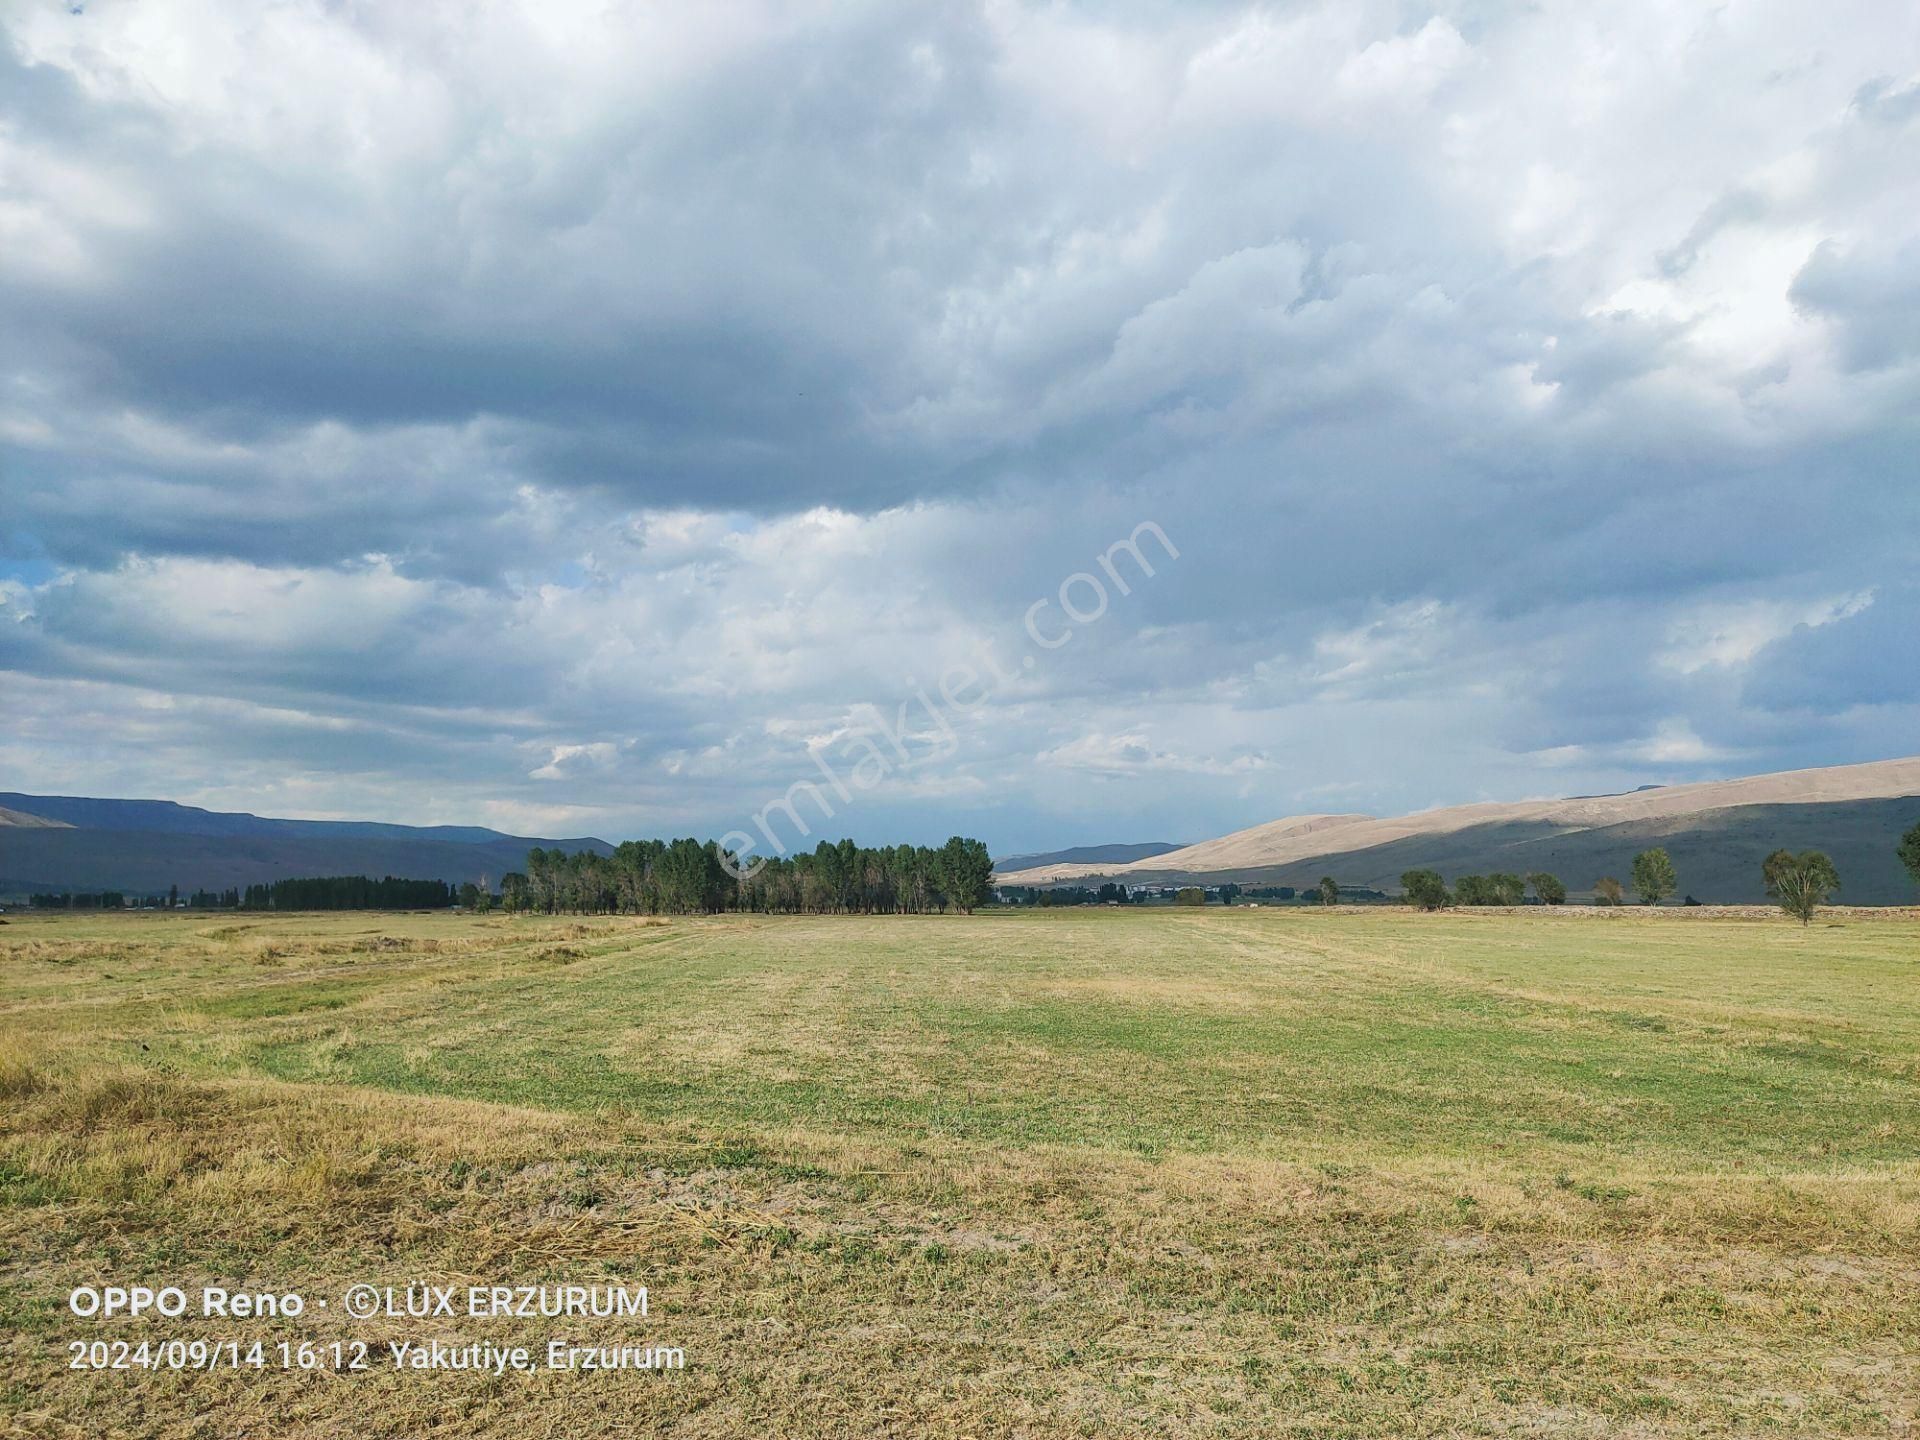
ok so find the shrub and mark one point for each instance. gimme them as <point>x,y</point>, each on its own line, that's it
<point>1191,895</point>
<point>1606,891</point>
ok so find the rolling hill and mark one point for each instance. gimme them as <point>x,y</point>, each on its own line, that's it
<point>20,820</point>
<point>1088,855</point>
<point>68,842</point>
<point>1716,831</point>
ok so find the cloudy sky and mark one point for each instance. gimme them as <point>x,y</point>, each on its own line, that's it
<point>579,421</point>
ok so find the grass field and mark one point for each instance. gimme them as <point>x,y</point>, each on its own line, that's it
<point>1256,1172</point>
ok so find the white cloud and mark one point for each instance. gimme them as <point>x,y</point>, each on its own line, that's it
<point>1731,634</point>
<point>570,762</point>
<point>1405,69</point>
<point>1132,752</point>
<point>1675,743</point>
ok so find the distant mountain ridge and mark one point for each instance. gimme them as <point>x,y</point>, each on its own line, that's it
<point>1717,832</point>
<point>168,817</point>
<point>1089,855</point>
<point>73,842</point>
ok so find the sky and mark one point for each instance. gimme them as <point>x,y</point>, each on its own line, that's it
<point>587,419</point>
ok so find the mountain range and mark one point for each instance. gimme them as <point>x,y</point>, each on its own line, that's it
<point>1716,831</point>
<point>70,842</point>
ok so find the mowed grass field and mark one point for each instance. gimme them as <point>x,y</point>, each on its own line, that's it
<point>1248,1173</point>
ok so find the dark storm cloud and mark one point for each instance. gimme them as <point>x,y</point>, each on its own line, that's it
<point>794,279</point>
<point>1871,658</point>
<point>1871,295</point>
<point>712,282</point>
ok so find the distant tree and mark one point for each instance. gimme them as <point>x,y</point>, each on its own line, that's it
<point>1329,890</point>
<point>1800,883</point>
<point>1653,877</point>
<point>173,896</point>
<point>1190,895</point>
<point>1507,889</point>
<point>1425,889</point>
<point>543,879</point>
<point>1548,888</point>
<point>1607,891</point>
<point>1229,894</point>
<point>1909,852</point>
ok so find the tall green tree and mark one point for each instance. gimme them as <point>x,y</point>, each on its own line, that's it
<point>1801,883</point>
<point>1653,877</point>
<point>1329,890</point>
<point>966,873</point>
<point>1909,852</point>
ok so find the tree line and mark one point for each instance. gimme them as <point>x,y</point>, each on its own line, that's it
<point>1060,896</point>
<point>348,892</point>
<point>686,877</point>
<point>1798,883</point>
<point>70,900</point>
<point>1653,877</point>
<point>119,900</point>
<point>321,892</point>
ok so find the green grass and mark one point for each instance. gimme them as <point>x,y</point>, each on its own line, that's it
<point>1260,1033</point>
<point>1140,1172</point>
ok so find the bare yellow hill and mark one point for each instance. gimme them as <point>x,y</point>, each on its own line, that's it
<point>19,819</point>
<point>1301,837</point>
